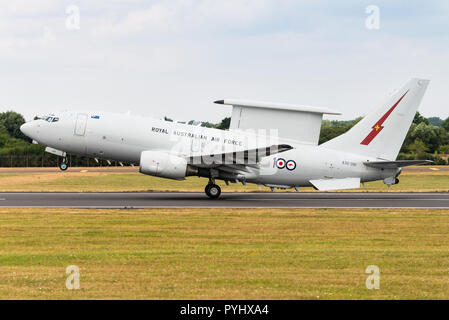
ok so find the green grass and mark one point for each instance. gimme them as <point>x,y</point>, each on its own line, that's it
<point>224,254</point>
<point>409,182</point>
<point>437,181</point>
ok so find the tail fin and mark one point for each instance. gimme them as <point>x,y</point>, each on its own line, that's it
<point>382,132</point>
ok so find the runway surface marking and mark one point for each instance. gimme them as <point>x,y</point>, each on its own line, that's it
<point>228,200</point>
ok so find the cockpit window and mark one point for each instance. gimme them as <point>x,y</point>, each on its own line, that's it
<point>50,118</point>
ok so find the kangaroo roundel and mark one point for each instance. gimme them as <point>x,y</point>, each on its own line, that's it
<point>291,165</point>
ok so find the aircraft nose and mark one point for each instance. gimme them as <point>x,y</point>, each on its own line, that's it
<point>27,129</point>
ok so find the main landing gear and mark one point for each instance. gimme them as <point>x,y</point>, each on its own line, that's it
<point>64,164</point>
<point>212,190</point>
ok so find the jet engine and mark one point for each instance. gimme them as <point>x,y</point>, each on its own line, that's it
<point>163,164</point>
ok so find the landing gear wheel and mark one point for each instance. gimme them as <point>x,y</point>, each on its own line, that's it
<point>64,165</point>
<point>213,191</point>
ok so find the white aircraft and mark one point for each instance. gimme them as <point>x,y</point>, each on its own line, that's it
<point>275,145</point>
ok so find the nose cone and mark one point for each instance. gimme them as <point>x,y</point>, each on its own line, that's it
<point>27,129</point>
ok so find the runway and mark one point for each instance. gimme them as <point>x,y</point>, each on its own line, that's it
<point>113,169</point>
<point>228,200</point>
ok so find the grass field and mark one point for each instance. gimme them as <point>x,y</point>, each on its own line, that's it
<point>219,253</point>
<point>224,254</point>
<point>431,181</point>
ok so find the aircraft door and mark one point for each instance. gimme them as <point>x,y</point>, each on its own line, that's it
<point>330,169</point>
<point>81,123</point>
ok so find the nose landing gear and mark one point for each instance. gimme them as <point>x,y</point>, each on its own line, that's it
<point>212,190</point>
<point>64,164</point>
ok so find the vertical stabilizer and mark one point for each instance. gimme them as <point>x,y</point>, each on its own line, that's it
<point>382,132</point>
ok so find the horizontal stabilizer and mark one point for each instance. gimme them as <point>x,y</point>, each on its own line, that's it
<point>336,184</point>
<point>394,164</point>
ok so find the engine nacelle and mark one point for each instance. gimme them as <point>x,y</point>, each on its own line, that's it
<point>163,164</point>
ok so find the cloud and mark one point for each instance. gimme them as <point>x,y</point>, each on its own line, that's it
<point>29,8</point>
<point>175,57</point>
<point>185,17</point>
<point>156,18</point>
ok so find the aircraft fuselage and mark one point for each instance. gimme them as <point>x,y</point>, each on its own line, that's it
<point>123,138</point>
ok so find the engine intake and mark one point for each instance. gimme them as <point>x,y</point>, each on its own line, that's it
<point>163,164</point>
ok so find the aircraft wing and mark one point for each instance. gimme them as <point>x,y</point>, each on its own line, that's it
<point>237,160</point>
<point>394,164</point>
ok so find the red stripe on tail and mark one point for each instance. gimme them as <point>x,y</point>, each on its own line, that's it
<point>377,127</point>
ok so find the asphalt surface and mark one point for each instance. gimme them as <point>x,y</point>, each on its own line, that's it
<point>74,169</point>
<point>114,169</point>
<point>228,200</point>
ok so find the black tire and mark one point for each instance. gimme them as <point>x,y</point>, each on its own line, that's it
<point>213,191</point>
<point>64,165</point>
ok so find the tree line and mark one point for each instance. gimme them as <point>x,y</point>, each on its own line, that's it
<point>427,138</point>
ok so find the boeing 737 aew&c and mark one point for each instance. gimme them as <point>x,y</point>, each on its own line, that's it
<point>270,144</point>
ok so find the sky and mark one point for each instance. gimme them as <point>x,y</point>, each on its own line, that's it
<point>174,58</point>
